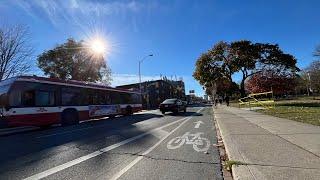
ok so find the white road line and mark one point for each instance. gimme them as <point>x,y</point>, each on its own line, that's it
<point>198,124</point>
<point>147,111</point>
<point>135,161</point>
<point>94,154</point>
<point>159,133</point>
<point>120,173</point>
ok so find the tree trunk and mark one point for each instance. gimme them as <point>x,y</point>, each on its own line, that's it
<point>214,90</point>
<point>242,88</point>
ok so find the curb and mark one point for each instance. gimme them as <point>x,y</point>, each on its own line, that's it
<point>222,151</point>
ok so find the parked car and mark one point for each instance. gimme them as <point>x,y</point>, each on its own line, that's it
<point>173,105</point>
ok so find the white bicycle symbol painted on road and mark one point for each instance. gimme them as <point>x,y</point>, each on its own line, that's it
<point>199,144</point>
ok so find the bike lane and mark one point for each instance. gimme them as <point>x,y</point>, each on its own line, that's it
<point>188,153</point>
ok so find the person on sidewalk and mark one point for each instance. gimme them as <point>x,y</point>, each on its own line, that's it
<point>220,100</point>
<point>227,100</point>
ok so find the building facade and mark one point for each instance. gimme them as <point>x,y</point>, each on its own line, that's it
<point>155,92</point>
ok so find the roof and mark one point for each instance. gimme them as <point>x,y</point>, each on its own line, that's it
<point>149,82</point>
<point>69,83</point>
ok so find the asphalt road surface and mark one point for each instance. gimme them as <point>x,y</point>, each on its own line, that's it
<point>146,145</point>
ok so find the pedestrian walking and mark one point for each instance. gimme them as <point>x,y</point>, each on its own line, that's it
<point>227,100</point>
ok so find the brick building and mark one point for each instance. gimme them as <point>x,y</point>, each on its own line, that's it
<point>154,92</point>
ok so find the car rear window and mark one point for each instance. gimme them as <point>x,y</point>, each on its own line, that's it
<point>169,101</point>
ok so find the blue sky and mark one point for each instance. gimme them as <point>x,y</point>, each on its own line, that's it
<point>175,31</point>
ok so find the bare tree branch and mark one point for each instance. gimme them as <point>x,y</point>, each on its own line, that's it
<point>317,51</point>
<point>15,51</point>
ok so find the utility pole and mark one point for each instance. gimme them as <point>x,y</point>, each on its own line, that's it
<point>309,84</point>
<point>140,89</point>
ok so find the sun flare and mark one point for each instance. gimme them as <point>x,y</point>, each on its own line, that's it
<point>98,46</point>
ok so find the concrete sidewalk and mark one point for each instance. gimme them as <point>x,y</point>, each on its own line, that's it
<point>271,147</point>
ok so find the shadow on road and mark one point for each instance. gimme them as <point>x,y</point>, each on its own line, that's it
<point>182,114</point>
<point>26,150</point>
<point>91,135</point>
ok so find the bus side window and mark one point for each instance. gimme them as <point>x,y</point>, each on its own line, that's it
<point>101,97</point>
<point>70,96</point>
<point>95,98</point>
<point>108,98</point>
<point>84,97</point>
<point>135,98</point>
<point>28,98</point>
<point>115,97</point>
<point>15,98</point>
<point>44,98</point>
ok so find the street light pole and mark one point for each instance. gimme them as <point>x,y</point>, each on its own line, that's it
<point>140,80</point>
<point>140,89</point>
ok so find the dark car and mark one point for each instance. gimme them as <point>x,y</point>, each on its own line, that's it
<point>173,105</point>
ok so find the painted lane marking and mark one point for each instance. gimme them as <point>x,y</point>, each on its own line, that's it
<point>94,154</point>
<point>135,161</point>
<point>198,143</point>
<point>159,133</point>
<point>124,170</point>
<point>198,124</point>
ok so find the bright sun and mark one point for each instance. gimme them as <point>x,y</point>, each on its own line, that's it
<point>98,46</point>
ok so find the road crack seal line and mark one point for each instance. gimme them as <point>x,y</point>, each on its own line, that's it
<point>230,163</point>
<point>166,159</point>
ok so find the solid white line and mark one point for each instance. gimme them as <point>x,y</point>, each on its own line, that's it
<point>94,154</point>
<point>120,173</point>
<point>159,133</point>
<point>135,161</point>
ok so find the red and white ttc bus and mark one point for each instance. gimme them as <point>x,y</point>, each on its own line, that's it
<point>39,101</point>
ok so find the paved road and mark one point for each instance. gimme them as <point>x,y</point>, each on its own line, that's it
<point>146,145</point>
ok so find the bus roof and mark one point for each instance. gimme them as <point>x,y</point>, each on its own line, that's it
<point>57,81</point>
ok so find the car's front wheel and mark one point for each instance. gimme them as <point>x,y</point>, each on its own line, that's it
<point>163,112</point>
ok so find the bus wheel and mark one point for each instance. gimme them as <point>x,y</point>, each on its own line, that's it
<point>112,116</point>
<point>129,110</point>
<point>44,127</point>
<point>69,117</point>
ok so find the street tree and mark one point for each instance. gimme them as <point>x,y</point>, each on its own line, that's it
<point>252,58</point>
<point>15,51</point>
<point>248,58</point>
<point>76,61</point>
<point>317,52</point>
<point>222,57</point>
<point>213,68</point>
<point>279,82</point>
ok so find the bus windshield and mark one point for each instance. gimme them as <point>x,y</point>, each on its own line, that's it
<point>5,85</point>
<point>4,88</point>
